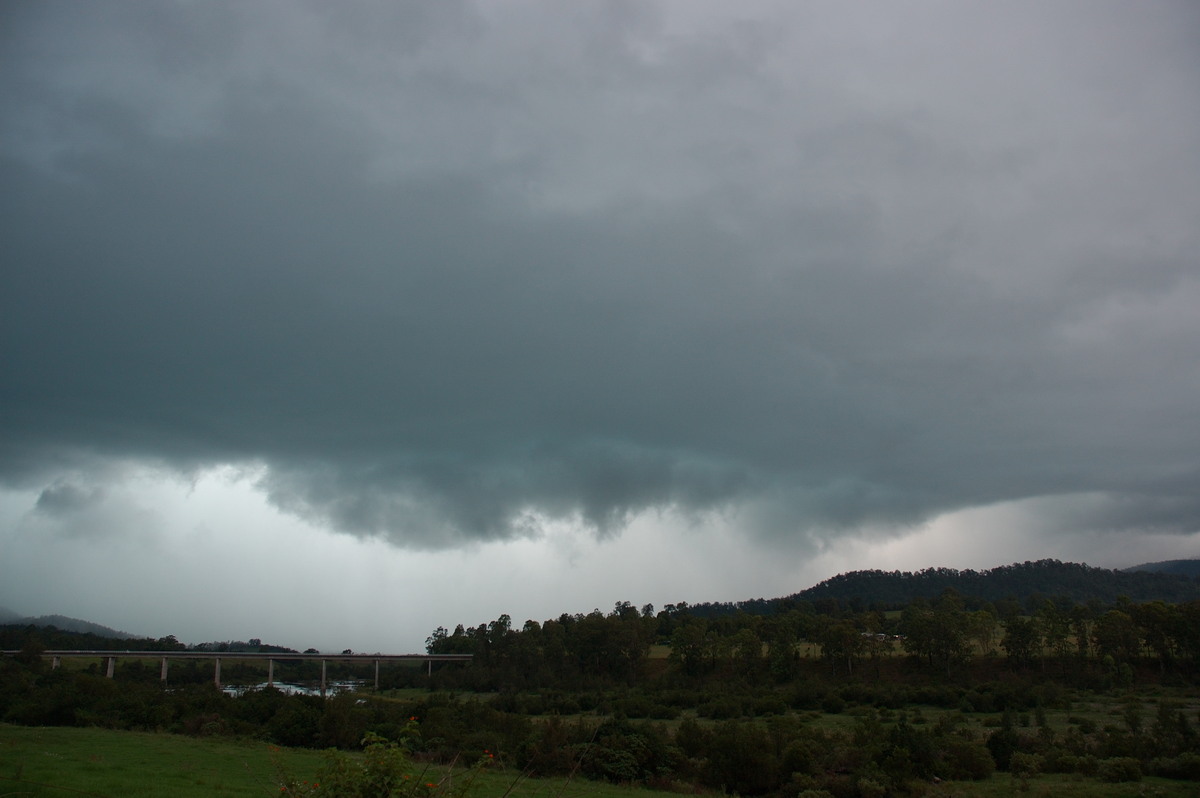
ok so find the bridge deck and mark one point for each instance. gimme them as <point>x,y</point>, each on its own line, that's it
<point>57,655</point>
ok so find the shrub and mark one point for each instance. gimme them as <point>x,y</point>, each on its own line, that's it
<point>1086,725</point>
<point>550,751</point>
<point>966,759</point>
<point>1120,769</point>
<point>1025,765</point>
<point>806,696</point>
<point>768,705</point>
<point>633,707</point>
<point>1185,766</point>
<point>1062,759</point>
<point>740,759</point>
<point>869,788</point>
<point>692,738</point>
<point>624,753</point>
<point>663,712</point>
<point>1002,744</point>
<point>1058,761</point>
<point>296,724</point>
<point>384,770</point>
<point>801,756</point>
<point>721,709</point>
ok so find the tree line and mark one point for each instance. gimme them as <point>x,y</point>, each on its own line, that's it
<point>1078,640</point>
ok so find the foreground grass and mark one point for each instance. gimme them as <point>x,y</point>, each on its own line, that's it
<point>1003,785</point>
<point>59,762</point>
<point>98,762</point>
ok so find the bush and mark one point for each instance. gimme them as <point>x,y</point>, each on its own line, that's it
<point>296,724</point>
<point>663,712</point>
<point>741,759</point>
<point>1025,765</point>
<point>1057,761</point>
<point>1086,725</point>
<point>768,705</point>
<point>806,696</point>
<point>1186,766</point>
<point>624,753</point>
<point>1120,769</point>
<point>869,788</point>
<point>1002,744</point>
<point>384,769</point>
<point>634,707</point>
<point>801,756</point>
<point>550,751</point>
<point>966,760</point>
<point>721,709</point>
<point>692,739</point>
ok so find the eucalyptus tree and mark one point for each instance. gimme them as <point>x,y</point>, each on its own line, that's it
<point>1022,640</point>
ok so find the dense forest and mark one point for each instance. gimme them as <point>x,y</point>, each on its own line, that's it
<point>1182,567</point>
<point>1028,581</point>
<point>817,698</point>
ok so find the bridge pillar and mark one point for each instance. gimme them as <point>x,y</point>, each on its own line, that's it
<point>322,678</point>
<point>163,676</point>
<point>377,676</point>
<point>54,663</point>
<point>270,673</point>
<point>217,672</point>
<point>112,665</point>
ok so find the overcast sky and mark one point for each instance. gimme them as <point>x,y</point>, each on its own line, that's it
<point>332,323</point>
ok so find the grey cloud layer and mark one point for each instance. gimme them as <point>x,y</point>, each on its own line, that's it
<point>449,270</point>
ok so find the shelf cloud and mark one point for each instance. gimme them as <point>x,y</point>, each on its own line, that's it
<point>448,273</point>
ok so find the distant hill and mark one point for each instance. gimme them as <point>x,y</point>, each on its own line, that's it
<point>1183,567</point>
<point>1049,578</point>
<point>60,632</point>
<point>64,623</point>
<point>76,633</point>
<point>1038,580</point>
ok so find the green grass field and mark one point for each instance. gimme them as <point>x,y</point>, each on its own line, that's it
<point>1058,786</point>
<point>62,762</point>
<point>70,761</point>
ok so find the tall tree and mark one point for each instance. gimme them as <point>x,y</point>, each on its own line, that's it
<point>1021,640</point>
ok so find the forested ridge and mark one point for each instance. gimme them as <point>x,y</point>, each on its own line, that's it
<point>14,636</point>
<point>890,590</point>
<point>1185,567</point>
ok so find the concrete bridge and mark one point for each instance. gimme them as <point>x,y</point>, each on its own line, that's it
<point>111,657</point>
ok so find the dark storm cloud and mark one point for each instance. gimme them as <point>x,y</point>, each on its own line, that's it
<point>64,497</point>
<point>446,271</point>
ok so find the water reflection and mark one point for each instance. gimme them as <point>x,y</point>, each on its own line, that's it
<point>291,688</point>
